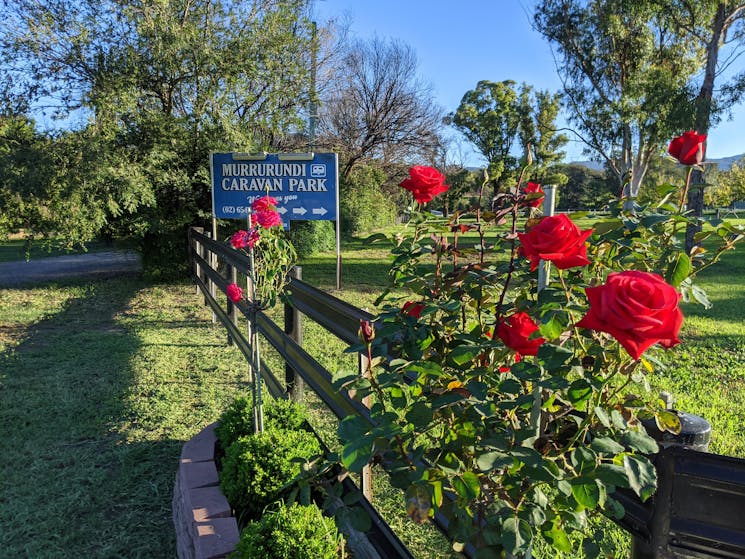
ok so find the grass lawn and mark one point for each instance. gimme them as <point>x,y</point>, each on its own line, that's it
<point>100,384</point>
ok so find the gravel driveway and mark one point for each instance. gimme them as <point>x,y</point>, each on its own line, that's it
<point>92,265</point>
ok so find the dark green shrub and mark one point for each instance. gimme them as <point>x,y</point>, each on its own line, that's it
<point>165,256</point>
<point>257,467</point>
<point>362,202</point>
<point>285,414</point>
<point>295,532</point>
<point>311,237</point>
<point>238,419</point>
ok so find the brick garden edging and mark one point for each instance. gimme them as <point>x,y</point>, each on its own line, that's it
<point>202,517</point>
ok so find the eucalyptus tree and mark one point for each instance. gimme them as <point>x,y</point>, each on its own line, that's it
<point>497,118</point>
<point>712,26</point>
<point>161,83</point>
<point>489,117</point>
<point>539,135</point>
<point>626,74</point>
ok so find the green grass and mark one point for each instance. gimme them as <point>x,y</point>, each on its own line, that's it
<point>100,384</point>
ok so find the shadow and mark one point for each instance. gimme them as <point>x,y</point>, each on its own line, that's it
<point>83,473</point>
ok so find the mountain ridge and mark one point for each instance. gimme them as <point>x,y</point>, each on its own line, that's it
<point>723,163</point>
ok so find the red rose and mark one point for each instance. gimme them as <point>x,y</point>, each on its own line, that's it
<point>243,239</point>
<point>234,292</point>
<point>688,148</point>
<point>637,308</point>
<point>556,239</point>
<point>412,309</point>
<point>424,183</point>
<point>264,203</point>
<point>534,188</point>
<point>266,219</point>
<point>515,332</point>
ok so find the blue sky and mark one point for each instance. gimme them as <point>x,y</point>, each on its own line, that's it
<point>459,43</point>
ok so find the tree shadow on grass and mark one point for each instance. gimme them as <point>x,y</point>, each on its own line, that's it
<point>74,480</point>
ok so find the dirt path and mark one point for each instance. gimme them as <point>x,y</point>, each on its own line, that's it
<point>92,265</point>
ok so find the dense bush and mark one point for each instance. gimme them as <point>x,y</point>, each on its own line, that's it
<point>238,420</point>
<point>363,204</point>
<point>311,237</point>
<point>295,532</point>
<point>257,467</point>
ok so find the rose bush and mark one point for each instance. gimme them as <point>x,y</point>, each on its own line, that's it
<point>271,252</point>
<point>514,408</point>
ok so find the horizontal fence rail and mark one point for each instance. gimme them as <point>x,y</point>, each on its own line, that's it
<point>698,511</point>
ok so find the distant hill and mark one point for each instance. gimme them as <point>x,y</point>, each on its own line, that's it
<point>724,163</point>
<point>594,165</point>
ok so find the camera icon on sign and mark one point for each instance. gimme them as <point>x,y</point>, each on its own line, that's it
<point>318,170</point>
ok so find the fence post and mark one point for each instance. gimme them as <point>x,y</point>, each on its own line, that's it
<point>195,245</point>
<point>201,250</point>
<point>232,309</point>
<point>210,284</point>
<point>294,329</point>
<point>366,478</point>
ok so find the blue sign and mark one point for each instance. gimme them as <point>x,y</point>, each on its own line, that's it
<point>304,185</point>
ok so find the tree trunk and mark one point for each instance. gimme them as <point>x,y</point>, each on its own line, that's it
<point>703,116</point>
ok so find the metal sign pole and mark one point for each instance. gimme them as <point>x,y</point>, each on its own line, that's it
<point>258,404</point>
<point>544,270</point>
<point>338,227</point>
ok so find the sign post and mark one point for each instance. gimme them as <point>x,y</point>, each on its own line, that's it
<point>305,185</point>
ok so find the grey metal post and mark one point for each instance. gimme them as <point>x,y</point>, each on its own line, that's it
<point>258,403</point>
<point>544,270</point>
<point>366,478</point>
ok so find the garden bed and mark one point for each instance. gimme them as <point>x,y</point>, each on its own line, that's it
<point>205,528</point>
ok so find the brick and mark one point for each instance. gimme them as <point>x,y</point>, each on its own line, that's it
<point>201,447</point>
<point>198,474</point>
<point>216,538</point>
<point>208,503</point>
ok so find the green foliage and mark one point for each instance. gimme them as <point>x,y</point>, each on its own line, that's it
<point>363,205</point>
<point>729,187</point>
<point>238,419</point>
<point>312,237</point>
<point>163,84</point>
<point>489,116</point>
<point>621,62</point>
<point>585,189</point>
<point>461,181</point>
<point>527,446</point>
<point>495,116</point>
<point>295,532</point>
<point>257,467</point>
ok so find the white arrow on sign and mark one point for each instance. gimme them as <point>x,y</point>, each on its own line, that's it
<point>283,211</point>
<point>319,211</point>
<point>300,210</point>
